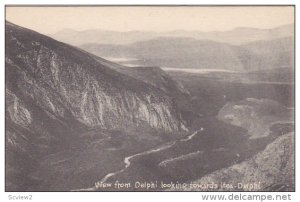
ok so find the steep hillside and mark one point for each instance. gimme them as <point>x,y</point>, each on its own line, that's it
<point>153,76</point>
<point>56,92</point>
<point>57,76</point>
<point>270,170</point>
<point>271,165</point>
<point>270,54</point>
<point>255,115</point>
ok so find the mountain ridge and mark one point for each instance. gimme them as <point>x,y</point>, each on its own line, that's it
<point>198,54</point>
<point>234,36</point>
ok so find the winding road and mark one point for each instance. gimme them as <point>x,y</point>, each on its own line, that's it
<point>127,160</point>
<point>163,147</point>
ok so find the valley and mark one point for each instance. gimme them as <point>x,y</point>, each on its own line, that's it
<point>75,120</point>
<point>214,145</point>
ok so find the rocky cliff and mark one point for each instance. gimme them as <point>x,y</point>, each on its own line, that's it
<point>270,170</point>
<point>255,115</point>
<point>272,167</point>
<point>59,78</point>
<point>55,92</point>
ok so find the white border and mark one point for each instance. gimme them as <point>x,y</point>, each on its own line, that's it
<point>119,196</point>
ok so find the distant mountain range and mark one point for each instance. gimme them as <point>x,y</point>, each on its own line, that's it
<point>201,54</point>
<point>237,36</point>
<point>240,49</point>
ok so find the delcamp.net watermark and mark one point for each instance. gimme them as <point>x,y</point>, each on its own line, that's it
<point>246,197</point>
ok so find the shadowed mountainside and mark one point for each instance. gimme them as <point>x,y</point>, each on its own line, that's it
<point>270,170</point>
<point>55,92</point>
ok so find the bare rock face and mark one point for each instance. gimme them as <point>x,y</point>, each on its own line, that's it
<point>55,92</point>
<point>255,115</point>
<point>16,110</point>
<point>269,170</point>
<point>60,78</point>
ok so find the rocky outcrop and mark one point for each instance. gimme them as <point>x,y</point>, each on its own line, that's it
<point>255,115</point>
<point>60,78</point>
<point>269,170</point>
<point>55,92</point>
<point>17,111</point>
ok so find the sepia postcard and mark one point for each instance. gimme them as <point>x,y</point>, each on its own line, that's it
<point>149,98</point>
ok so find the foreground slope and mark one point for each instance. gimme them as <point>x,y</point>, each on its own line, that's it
<point>56,92</point>
<point>270,170</point>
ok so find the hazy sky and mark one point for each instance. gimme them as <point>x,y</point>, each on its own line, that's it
<point>49,20</point>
